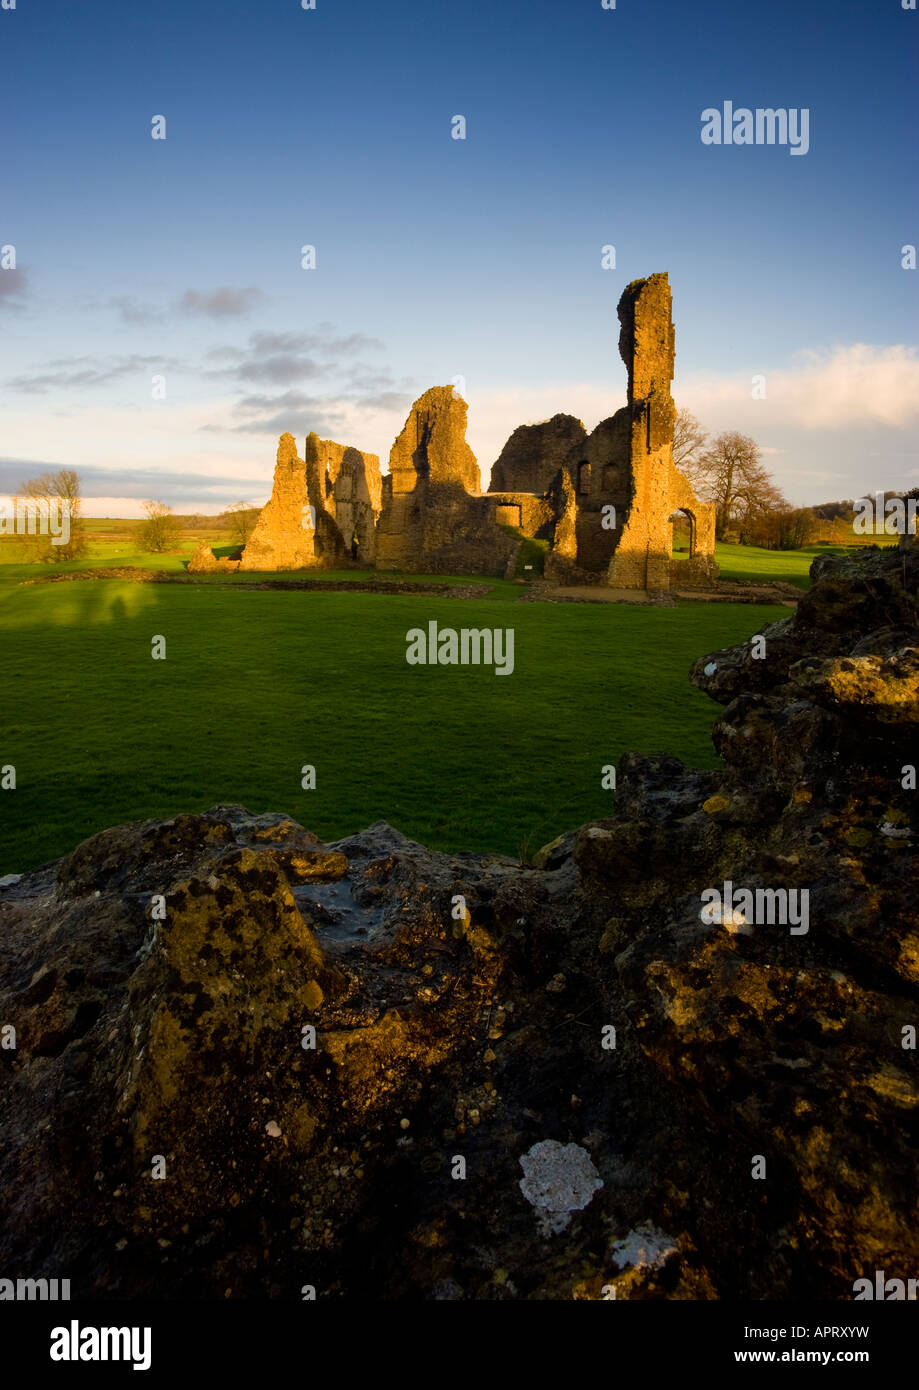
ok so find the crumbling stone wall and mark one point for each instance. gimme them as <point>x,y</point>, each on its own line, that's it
<point>642,556</point>
<point>603,501</point>
<point>561,561</point>
<point>435,518</point>
<point>531,515</point>
<point>699,567</point>
<point>601,479</point>
<point>432,446</point>
<point>345,485</point>
<point>317,506</point>
<point>204,561</point>
<point>531,458</point>
<point>280,541</point>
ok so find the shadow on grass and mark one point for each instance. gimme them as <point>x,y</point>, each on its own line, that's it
<point>255,685</point>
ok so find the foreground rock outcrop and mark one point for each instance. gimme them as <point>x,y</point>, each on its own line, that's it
<point>246,1061</point>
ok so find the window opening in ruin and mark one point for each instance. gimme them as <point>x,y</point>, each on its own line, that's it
<point>686,523</point>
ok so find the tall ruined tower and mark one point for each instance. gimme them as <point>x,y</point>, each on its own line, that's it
<point>646,344</point>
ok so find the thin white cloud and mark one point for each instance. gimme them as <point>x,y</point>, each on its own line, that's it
<point>809,422</point>
<point>836,388</point>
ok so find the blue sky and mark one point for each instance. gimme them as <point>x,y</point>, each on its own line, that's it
<point>440,258</point>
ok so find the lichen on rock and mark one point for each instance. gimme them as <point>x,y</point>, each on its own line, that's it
<point>558,1179</point>
<point>318,1055</point>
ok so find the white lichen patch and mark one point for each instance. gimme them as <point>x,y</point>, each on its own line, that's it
<point>644,1248</point>
<point>558,1179</point>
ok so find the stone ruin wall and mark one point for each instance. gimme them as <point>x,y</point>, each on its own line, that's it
<point>699,568</point>
<point>551,481</point>
<point>626,463</point>
<point>532,457</point>
<point>642,558</point>
<point>345,485</point>
<point>279,540</point>
<point>435,518</point>
<point>601,479</point>
<point>532,515</point>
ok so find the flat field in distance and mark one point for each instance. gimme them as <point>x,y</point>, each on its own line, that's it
<point>256,684</point>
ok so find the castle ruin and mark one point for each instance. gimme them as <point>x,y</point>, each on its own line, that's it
<point>602,502</point>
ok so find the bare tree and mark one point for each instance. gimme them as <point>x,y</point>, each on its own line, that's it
<point>160,530</point>
<point>733,476</point>
<point>59,489</point>
<point>688,442</point>
<point>241,518</point>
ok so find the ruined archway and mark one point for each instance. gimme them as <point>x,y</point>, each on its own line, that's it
<point>685,532</point>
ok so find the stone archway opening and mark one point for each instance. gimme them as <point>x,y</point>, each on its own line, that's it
<point>684,532</point>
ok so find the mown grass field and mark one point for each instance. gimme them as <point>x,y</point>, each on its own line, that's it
<point>256,684</point>
<point>750,563</point>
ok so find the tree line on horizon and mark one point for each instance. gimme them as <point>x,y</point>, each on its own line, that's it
<point>726,471</point>
<point>159,531</point>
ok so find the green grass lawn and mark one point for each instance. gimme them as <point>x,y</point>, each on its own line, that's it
<point>15,566</point>
<point>749,562</point>
<point>112,544</point>
<point>257,683</point>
